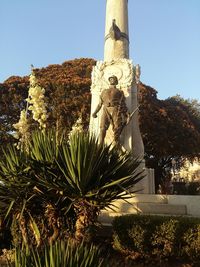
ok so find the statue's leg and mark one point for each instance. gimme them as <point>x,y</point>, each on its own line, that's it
<point>103,127</point>
<point>117,129</point>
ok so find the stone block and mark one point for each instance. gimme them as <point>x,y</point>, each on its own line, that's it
<point>154,208</point>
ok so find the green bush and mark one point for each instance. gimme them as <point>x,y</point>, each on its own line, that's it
<point>163,239</point>
<point>157,237</point>
<point>191,239</point>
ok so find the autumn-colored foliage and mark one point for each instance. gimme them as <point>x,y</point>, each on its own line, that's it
<point>67,91</point>
<point>170,128</point>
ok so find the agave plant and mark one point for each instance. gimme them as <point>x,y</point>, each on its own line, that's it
<point>62,175</point>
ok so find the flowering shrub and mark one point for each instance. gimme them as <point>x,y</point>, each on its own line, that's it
<point>77,127</point>
<point>36,102</point>
<point>22,128</point>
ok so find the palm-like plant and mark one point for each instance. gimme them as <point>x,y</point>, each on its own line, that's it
<point>78,174</point>
<point>16,187</point>
<point>36,212</point>
<point>91,175</point>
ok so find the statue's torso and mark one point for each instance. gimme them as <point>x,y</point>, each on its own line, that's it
<point>112,97</point>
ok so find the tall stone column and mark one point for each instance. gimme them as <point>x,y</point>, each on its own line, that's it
<point>116,62</point>
<point>116,30</point>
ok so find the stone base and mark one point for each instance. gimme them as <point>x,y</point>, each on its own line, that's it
<point>154,205</point>
<point>147,184</point>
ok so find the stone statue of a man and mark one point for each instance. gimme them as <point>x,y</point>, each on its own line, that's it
<point>115,112</point>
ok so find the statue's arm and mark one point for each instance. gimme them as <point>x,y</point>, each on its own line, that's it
<point>94,114</point>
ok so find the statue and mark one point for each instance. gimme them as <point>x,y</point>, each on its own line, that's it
<point>115,111</point>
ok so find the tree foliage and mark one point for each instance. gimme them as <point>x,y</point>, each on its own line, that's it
<point>169,127</point>
<point>67,88</point>
<point>170,130</point>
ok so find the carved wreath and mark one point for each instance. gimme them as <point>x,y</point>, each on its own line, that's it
<point>122,68</point>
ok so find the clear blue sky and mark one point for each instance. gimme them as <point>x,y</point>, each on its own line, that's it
<point>164,38</point>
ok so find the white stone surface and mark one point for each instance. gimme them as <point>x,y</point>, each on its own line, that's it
<point>192,203</point>
<point>115,49</point>
<point>116,63</point>
<point>147,198</point>
<point>157,208</point>
<point>155,204</point>
<point>147,185</point>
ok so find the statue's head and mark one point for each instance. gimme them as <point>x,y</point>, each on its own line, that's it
<point>113,80</point>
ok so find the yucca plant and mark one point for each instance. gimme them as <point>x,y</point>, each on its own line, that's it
<point>60,254</point>
<point>16,187</point>
<point>62,175</point>
<point>90,175</point>
<point>36,212</point>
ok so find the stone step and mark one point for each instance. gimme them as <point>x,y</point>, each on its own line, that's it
<point>158,208</point>
<point>106,217</point>
<point>144,198</point>
<point>133,207</point>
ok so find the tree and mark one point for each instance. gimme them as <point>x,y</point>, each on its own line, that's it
<point>67,91</point>
<point>12,99</point>
<point>170,130</point>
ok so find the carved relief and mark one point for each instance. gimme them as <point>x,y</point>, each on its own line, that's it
<point>125,72</point>
<point>122,68</point>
